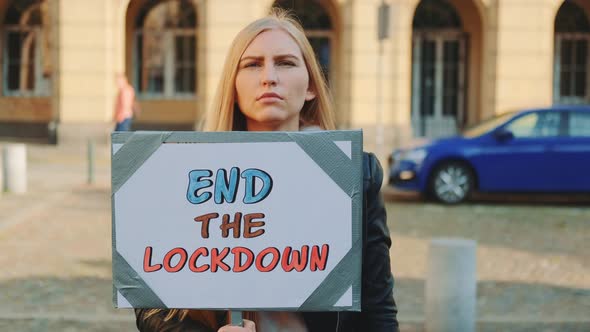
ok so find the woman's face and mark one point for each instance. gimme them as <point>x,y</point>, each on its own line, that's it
<point>272,82</point>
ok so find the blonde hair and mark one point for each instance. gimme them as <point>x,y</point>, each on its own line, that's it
<point>225,115</point>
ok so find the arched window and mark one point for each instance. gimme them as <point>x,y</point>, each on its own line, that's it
<point>571,18</point>
<point>438,69</point>
<point>318,28</point>
<point>436,14</point>
<point>571,68</point>
<point>165,49</point>
<point>25,49</point>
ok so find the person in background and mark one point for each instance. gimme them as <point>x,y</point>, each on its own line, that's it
<point>271,81</point>
<point>125,104</point>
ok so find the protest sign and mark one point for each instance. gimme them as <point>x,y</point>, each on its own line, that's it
<point>237,220</point>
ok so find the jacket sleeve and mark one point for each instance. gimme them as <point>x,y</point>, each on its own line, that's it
<point>379,311</point>
<point>156,323</point>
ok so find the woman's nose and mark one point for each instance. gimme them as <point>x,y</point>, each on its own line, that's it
<point>269,75</point>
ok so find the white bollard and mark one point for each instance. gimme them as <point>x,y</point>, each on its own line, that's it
<point>451,286</point>
<point>15,165</point>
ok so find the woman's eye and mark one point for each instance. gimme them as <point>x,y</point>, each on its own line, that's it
<point>252,64</point>
<point>286,63</point>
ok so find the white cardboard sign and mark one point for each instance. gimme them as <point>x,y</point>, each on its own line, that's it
<point>236,220</point>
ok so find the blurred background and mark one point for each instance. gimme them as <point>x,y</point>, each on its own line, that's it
<point>408,72</point>
<point>442,66</point>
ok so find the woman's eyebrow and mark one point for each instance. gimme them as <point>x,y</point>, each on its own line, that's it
<point>260,57</point>
<point>286,56</point>
<point>251,57</point>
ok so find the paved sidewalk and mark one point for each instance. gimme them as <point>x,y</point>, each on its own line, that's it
<point>55,241</point>
<point>56,258</point>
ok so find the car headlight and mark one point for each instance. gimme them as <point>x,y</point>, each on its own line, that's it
<point>416,156</point>
<point>394,157</point>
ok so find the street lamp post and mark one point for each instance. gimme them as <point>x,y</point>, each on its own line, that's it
<point>382,35</point>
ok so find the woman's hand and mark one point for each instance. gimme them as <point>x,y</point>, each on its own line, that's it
<point>249,326</point>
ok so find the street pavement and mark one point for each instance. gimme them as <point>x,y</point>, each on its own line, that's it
<point>56,255</point>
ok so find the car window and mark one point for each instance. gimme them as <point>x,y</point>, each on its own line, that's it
<point>579,124</point>
<point>487,125</point>
<point>537,124</point>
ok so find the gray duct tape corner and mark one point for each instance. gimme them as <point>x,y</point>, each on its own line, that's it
<point>132,287</point>
<point>138,148</point>
<point>338,281</point>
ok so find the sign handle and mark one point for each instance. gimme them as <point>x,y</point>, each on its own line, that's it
<point>235,318</point>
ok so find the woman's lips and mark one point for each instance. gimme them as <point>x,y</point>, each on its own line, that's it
<point>269,96</point>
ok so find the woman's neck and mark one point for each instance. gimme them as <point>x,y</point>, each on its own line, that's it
<point>273,126</point>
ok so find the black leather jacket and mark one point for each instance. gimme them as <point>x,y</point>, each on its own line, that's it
<point>378,308</point>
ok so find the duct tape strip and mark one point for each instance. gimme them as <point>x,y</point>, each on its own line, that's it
<point>127,160</point>
<point>114,246</point>
<point>132,287</point>
<point>338,281</point>
<point>333,161</point>
<point>138,148</point>
<point>236,136</point>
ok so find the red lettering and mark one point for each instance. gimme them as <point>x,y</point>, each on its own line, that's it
<point>249,224</point>
<point>275,260</point>
<point>192,263</point>
<point>319,260</point>
<point>168,258</point>
<point>316,258</point>
<point>238,265</point>
<point>147,261</point>
<point>217,259</point>
<point>298,259</point>
<point>205,219</point>
<point>234,225</point>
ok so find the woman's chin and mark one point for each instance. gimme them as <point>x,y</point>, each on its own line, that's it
<point>273,120</point>
<point>272,114</point>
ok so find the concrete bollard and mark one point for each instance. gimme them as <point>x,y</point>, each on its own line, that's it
<point>451,286</point>
<point>15,166</point>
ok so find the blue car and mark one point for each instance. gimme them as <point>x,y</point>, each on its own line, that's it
<point>538,150</point>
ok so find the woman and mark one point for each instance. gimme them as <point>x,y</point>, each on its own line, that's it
<point>272,82</point>
<point>125,104</point>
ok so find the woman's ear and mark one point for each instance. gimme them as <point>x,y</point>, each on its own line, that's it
<point>310,94</point>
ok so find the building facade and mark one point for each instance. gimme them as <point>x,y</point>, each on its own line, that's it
<point>445,65</point>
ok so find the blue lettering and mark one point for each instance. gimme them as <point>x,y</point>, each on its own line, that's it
<point>250,195</point>
<point>195,183</point>
<point>224,189</point>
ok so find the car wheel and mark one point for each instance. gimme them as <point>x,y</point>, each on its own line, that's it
<point>451,183</point>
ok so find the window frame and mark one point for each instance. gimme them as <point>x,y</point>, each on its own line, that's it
<point>440,121</point>
<point>557,97</point>
<point>169,64</point>
<point>42,85</point>
<point>330,36</point>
